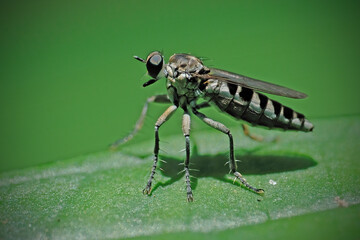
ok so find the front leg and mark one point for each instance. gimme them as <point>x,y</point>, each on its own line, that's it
<point>140,121</point>
<point>163,118</point>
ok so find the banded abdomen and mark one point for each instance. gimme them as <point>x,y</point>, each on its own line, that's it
<point>255,108</point>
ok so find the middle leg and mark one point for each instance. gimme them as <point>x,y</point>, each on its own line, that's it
<point>186,131</point>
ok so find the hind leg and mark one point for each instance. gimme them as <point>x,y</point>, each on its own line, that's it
<point>233,168</point>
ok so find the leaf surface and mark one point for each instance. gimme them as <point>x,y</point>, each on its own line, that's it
<point>96,196</point>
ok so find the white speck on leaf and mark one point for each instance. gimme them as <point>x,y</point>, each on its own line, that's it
<point>272,182</point>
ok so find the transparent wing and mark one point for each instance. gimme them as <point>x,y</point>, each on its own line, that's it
<point>254,84</point>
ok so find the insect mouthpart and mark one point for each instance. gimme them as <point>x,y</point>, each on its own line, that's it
<point>151,81</point>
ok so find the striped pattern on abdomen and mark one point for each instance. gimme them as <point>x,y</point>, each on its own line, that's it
<point>256,108</point>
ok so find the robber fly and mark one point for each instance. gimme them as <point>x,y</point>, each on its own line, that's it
<point>189,80</point>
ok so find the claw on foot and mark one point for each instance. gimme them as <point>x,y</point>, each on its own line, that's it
<point>260,191</point>
<point>147,190</point>
<point>244,182</point>
<point>190,197</point>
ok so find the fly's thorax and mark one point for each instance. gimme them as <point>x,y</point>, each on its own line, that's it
<point>181,74</point>
<point>185,63</point>
<point>184,85</point>
<point>181,97</point>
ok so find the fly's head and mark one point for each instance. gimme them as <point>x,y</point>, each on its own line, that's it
<point>155,66</point>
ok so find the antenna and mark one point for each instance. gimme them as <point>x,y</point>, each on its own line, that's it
<point>139,59</point>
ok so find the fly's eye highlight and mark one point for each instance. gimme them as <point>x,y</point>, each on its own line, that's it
<point>154,64</point>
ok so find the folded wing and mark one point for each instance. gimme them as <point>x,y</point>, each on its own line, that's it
<point>254,84</point>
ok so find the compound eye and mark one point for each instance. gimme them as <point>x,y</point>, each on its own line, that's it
<point>154,64</point>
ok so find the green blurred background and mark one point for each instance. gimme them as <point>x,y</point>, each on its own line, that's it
<point>69,85</point>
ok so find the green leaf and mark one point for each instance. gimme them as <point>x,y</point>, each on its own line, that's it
<point>100,195</point>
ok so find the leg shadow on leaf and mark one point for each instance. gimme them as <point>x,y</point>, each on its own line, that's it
<point>214,166</point>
